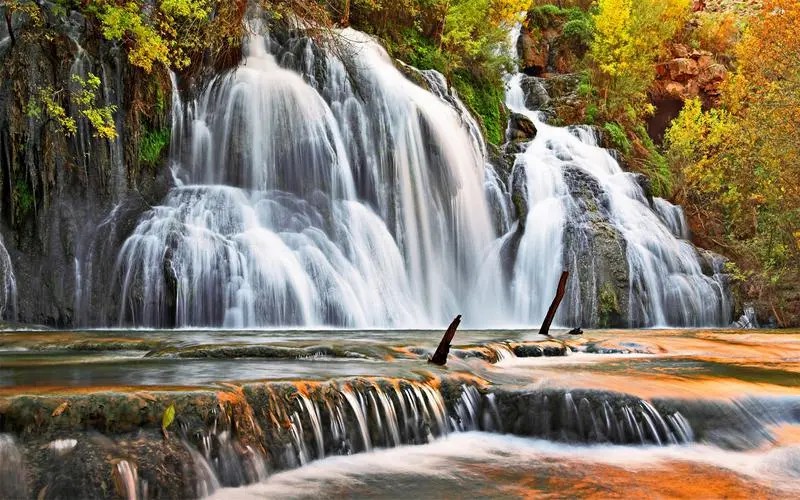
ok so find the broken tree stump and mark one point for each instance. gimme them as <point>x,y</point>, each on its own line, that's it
<point>560,291</point>
<point>440,356</point>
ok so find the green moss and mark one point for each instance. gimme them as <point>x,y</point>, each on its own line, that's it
<point>485,100</point>
<point>151,146</point>
<point>22,197</point>
<point>417,50</point>
<point>617,137</point>
<point>607,305</point>
<point>546,16</point>
<point>655,165</point>
<point>579,30</point>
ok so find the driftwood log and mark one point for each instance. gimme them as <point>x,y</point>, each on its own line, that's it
<point>560,291</point>
<point>440,356</point>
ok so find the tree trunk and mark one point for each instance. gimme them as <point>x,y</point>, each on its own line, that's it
<point>440,356</point>
<point>560,291</point>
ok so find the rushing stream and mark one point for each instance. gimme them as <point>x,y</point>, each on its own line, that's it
<point>360,413</point>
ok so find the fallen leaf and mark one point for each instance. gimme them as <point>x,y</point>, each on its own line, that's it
<point>61,409</point>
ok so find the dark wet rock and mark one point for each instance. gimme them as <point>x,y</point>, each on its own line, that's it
<point>647,186</point>
<point>620,347</point>
<point>538,349</point>
<point>575,331</point>
<point>572,416</point>
<point>513,148</point>
<point>734,425</point>
<point>502,159</point>
<point>74,444</point>
<point>519,193</point>
<point>536,96</point>
<point>528,351</point>
<point>412,74</point>
<point>60,188</point>
<point>556,97</point>
<point>81,444</point>
<point>520,128</point>
<point>509,250</point>
<point>598,416</point>
<point>711,263</point>
<point>595,251</point>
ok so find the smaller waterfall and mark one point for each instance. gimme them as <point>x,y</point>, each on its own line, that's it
<point>126,480</point>
<point>82,139</point>
<point>673,217</point>
<point>8,286</point>
<point>579,197</point>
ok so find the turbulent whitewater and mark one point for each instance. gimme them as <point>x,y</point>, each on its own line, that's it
<point>322,187</point>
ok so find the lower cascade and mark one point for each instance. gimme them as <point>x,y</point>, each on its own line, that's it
<point>323,187</point>
<point>243,435</point>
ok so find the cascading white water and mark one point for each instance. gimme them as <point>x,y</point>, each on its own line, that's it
<point>335,192</point>
<point>320,187</point>
<point>667,284</point>
<point>672,216</point>
<point>8,286</point>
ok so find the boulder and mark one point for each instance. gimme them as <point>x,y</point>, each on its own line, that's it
<point>711,74</point>
<point>533,53</point>
<point>682,69</point>
<point>520,127</point>
<point>535,92</point>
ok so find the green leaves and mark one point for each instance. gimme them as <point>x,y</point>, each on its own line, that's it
<point>167,418</point>
<point>45,104</point>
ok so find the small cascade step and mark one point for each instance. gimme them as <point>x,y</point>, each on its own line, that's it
<point>237,435</point>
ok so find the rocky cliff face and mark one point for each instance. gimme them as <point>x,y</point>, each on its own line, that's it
<point>57,186</point>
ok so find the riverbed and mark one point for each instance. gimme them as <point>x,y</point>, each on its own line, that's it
<point>610,413</point>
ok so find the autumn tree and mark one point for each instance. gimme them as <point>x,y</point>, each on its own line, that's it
<point>741,163</point>
<point>628,39</point>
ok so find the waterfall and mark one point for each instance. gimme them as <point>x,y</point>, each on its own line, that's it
<point>319,186</point>
<point>314,189</point>
<point>8,286</point>
<point>579,199</point>
<point>12,469</point>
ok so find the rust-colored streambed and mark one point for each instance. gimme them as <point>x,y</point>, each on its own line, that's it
<point>262,414</point>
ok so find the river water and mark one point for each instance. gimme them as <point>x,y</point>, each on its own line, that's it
<point>611,413</point>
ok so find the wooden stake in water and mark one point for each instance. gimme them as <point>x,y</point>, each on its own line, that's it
<point>560,291</point>
<point>440,356</point>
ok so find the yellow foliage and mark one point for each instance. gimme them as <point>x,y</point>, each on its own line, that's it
<point>716,31</point>
<point>628,40</point>
<point>741,163</point>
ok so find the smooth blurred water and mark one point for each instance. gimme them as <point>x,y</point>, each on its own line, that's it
<point>323,187</point>
<point>484,465</point>
<point>690,413</point>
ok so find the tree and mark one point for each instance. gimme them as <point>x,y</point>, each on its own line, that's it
<point>20,7</point>
<point>741,162</point>
<point>627,42</point>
